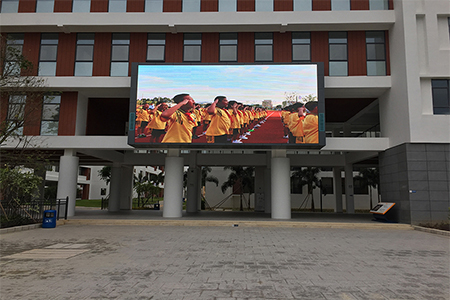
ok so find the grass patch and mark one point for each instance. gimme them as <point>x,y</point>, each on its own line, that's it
<point>89,203</point>
<point>444,225</point>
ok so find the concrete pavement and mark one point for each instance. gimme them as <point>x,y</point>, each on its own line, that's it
<point>148,261</point>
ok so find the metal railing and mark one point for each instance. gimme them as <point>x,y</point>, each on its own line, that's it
<point>23,212</point>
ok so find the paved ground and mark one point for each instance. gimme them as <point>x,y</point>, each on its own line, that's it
<point>207,262</point>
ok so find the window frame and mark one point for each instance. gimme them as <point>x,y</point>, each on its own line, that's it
<point>14,4</point>
<point>118,44</point>
<point>45,37</point>
<point>376,60</point>
<point>446,88</point>
<point>330,52</point>
<point>160,6</point>
<point>294,43</point>
<point>80,43</point>
<point>41,8</point>
<point>156,45</point>
<point>228,45</point>
<point>187,45</point>
<point>234,8</point>
<point>115,6</point>
<point>21,103</point>
<point>51,103</point>
<point>76,4</point>
<point>341,1</point>
<point>263,44</point>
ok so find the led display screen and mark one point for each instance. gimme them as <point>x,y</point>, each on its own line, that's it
<point>227,106</point>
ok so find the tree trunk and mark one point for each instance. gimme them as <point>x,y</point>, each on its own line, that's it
<point>310,191</point>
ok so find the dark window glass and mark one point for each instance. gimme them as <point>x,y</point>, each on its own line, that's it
<point>192,47</point>
<point>263,46</point>
<point>228,47</point>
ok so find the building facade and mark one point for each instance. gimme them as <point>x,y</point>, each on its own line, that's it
<point>387,74</point>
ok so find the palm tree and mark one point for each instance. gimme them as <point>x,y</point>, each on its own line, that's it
<point>139,185</point>
<point>242,179</point>
<point>308,176</point>
<point>370,177</point>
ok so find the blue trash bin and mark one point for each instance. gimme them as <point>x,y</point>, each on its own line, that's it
<point>49,220</point>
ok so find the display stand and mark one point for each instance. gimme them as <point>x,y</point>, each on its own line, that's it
<point>380,212</point>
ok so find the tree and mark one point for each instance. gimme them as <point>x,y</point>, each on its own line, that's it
<point>308,177</point>
<point>105,174</point>
<point>370,177</point>
<point>243,180</point>
<point>205,177</point>
<point>139,185</point>
<point>23,91</point>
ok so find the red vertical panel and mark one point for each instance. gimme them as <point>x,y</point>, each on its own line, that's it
<point>391,4</point>
<point>32,116</point>
<point>319,48</point>
<point>66,54</point>
<point>283,5</point>
<point>3,108</point>
<point>138,48</point>
<point>135,5</point>
<point>210,47</point>
<point>359,4</point>
<point>27,6</point>
<point>99,5</point>
<point>174,47</point>
<point>30,50</point>
<point>321,4</point>
<point>68,113</point>
<point>282,47</point>
<point>172,5</point>
<point>357,65</point>
<point>245,5</point>
<point>209,5</point>
<point>388,58</point>
<point>102,54</point>
<point>246,47</point>
<point>63,6</point>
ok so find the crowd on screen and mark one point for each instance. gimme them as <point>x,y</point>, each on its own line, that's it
<point>222,121</point>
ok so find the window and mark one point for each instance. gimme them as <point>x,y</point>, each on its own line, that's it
<point>263,5</point>
<point>263,46</point>
<point>302,5</point>
<point>13,52</point>
<point>340,4</point>
<point>378,4</point>
<point>103,192</point>
<point>153,5</point>
<point>84,54</point>
<point>228,47</point>
<point>47,54</point>
<point>227,5</point>
<point>441,96</point>
<point>50,115</point>
<point>117,6</point>
<point>120,54</point>
<point>301,46</point>
<point>192,47</point>
<point>10,6</point>
<point>376,53</point>
<point>156,44</point>
<point>81,6</point>
<point>44,6</point>
<point>327,185</point>
<point>338,54</point>
<point>16,112</point>
<point>191,6</point>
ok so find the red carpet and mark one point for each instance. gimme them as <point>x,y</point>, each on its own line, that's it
<point>270,132</point>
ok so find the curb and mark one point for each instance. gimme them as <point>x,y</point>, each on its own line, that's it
<point>431,230</point>
<point>236,223</point>
<point>27,227</point>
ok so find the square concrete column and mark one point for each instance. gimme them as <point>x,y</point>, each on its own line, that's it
<point>173,185</point>
<point>114,188</point>
<point>259,189</point>
<point>68,178</point>
<point>281,186</point>
<point>337,182</point>
<point>193,189</point>
<point>267,191</point>
<point>126,189</point>
<point>349,193</point>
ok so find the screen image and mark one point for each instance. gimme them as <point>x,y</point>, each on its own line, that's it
<point>236,106</point>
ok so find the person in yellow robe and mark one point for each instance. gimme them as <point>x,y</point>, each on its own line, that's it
<point>180,120</point>
<point>157,126</point>
<point>220,121</point>
<point>311,123</point>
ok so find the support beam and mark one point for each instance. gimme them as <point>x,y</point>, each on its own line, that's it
<point>349,197</point>
<point>281,192</point>
<point>114,188</point>
<point>126,188</point>
<point>337,182</point>
<point>173,185</point>
<point>67,181</point>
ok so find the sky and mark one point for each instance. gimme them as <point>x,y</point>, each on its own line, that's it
<point>249,84</point>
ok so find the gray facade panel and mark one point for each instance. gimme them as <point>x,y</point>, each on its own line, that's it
<point>418,175</point>
<point>439,205</point>
<point>439,185</point>
<point>436,166</point>
<point>417,166</point>
<point>436,156</point>
<point>437,175</point>
<point>420,205</point>
<point>439,195</point>
<point>438,216</point>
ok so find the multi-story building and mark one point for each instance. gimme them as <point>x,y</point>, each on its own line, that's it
<point>387,76</point>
